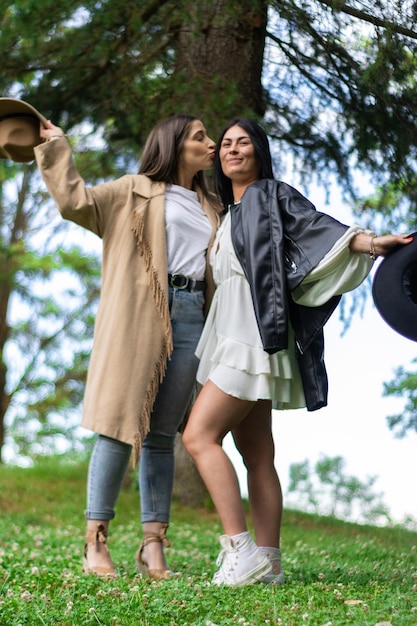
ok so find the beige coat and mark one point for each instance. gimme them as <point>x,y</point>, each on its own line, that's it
<point>132,335</point>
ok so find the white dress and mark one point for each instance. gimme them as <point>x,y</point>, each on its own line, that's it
<point>230,348</point>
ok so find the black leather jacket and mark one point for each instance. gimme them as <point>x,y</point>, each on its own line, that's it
<point>278,237</point>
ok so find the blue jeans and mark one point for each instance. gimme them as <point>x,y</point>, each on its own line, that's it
<point>110,458</point>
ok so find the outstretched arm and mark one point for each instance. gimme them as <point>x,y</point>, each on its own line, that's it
<point>378,246</point>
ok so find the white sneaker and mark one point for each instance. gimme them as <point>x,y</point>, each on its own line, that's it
<point>240,560</point>
<point>276,575</point>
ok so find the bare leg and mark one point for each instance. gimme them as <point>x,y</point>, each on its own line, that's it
<point>214,414</point>
<point>253,439</point>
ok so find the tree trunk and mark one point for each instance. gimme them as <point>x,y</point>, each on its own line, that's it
<point>219,58</point>
<point>219,61</point>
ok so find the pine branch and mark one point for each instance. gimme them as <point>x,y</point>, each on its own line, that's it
<point>343,7</point>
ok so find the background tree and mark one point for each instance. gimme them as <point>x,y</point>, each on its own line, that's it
<point>334,82</point>
<point>405,386</point>
<point>326,489</point>
<point>48,294</point>
<point>49,288</point>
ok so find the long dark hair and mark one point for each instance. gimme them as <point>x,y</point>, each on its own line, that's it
<point>163,147</point>
<point>262,154</point>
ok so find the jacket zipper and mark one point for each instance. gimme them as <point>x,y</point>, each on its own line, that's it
<point>297,343</point>
<point>291,263</point>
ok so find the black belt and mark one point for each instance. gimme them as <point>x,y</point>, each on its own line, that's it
<point>178,281</point>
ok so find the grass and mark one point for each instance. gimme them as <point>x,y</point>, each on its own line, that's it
<point>337,573</point>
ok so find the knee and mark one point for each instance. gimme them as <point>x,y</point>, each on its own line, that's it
<point>187,440</point>
<point>190,441</point>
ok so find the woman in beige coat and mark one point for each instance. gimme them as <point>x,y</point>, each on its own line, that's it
<point>156,227</point>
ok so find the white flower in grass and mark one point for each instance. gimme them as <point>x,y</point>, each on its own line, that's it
<point>26,596</point>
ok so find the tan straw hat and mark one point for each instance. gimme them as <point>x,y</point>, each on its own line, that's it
<point>19,130</point>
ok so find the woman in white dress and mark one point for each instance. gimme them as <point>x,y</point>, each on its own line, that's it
<point>280,268</point>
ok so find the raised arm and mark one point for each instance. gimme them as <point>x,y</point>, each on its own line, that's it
<point>49,131</point>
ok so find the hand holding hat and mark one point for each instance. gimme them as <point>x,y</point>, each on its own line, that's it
<point>20,125</point>
<point>49,131</point>
<point>378,246</point>
<point>394,289</point>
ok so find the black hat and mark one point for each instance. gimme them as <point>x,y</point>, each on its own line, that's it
<point>395,289</point>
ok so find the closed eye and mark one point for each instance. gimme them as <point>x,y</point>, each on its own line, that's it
<point>200,136</point>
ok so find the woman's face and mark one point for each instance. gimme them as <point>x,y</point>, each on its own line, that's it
<point>197,152</point>
<point>237,156</point>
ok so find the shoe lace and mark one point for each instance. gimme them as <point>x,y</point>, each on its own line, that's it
<point>221,558</point>
<point>101,535</point>
<point>227,546</point>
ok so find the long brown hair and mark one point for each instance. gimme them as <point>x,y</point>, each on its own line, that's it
<point>163,147</point>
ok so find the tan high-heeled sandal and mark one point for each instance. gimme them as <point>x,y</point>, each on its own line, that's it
<point>96,540</point>
<point>155,574</point>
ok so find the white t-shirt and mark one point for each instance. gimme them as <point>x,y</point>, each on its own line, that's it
<point>188,232</point>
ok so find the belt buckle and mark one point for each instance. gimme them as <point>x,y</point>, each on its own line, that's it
<point>181,277</point>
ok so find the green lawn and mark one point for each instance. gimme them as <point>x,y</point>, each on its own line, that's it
<point>337,573</point>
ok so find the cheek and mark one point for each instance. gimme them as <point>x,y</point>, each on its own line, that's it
<point>222,160</point>
<point>225,169</point>
<point>253,163</point>
<point>199,151</point>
